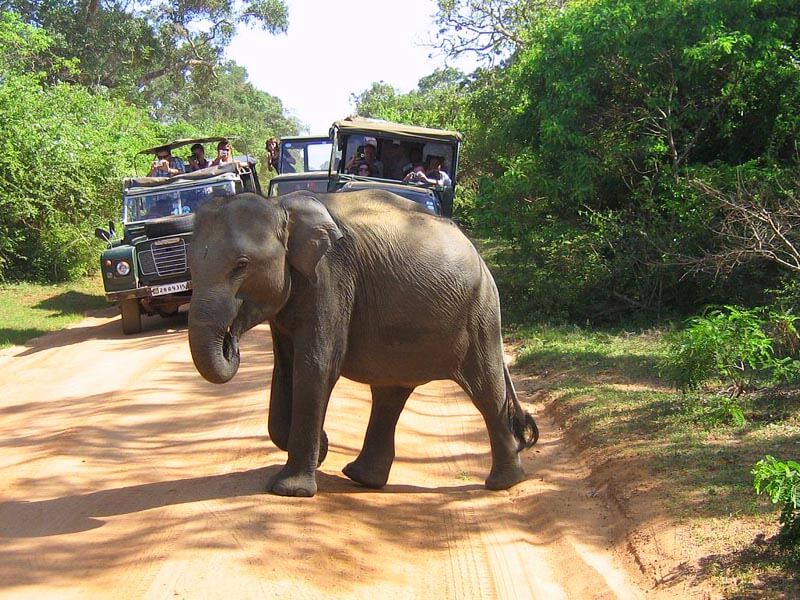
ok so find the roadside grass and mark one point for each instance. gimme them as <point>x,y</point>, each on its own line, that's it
<point>670,451</point>
<point>29,310</point>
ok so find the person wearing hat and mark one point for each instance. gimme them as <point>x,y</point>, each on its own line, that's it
<point>198,159</point>
<point>371,156</point>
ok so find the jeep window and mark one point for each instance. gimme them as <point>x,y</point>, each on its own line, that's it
<point>173,202</point>
<point>301,156</point>
<point>279,188</point>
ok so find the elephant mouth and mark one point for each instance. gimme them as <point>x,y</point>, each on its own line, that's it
<point>230,346</point>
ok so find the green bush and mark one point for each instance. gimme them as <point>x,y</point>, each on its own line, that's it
<point>735,345</point>
<point>600,125</point>
<point>781,482</point>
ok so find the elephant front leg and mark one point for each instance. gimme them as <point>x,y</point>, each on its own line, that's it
<point>280,398</point>
<point>280,404</point>
<point>305,443</point>
<point>373,464</point>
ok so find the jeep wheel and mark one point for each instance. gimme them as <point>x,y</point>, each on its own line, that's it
<point>167,310</point>
<point>131,316</point>
<point>171,225</point>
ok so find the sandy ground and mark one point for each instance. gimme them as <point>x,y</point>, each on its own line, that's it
<point>123,474</point>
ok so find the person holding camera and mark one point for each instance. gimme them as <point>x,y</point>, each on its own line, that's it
<point>369,154</point>
<point>417,174</point>
<point>198,158</point>
<point>224,154</point>
<point>435,172</point>
<point>166,165</point>
<point>273,148</point>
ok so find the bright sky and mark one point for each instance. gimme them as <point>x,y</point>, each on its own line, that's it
<point>334,49</point>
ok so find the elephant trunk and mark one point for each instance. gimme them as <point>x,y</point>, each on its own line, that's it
<point>213,342</point>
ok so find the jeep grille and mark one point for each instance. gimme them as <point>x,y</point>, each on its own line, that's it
<point>164,260</point>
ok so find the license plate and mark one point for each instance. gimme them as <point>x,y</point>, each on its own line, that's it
<point>170,288</point>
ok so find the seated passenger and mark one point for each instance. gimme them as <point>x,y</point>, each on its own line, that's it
<point>417,174</point>
<point>198,158</point>
<point>363,169</point>
<point>371,156</point>
<point>166,165</point>
<point>162,208</point>
<point>394,157</point>
<point>367,153</point>
<point>436,173</point>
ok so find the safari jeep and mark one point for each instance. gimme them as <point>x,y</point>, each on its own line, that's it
<point>303,165</point>
<point>146,272</point>
<point>398,148</point>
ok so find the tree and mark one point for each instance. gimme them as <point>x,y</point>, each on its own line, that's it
<point>129,46</point>
<point>603,124</point>
<point>436,102</point>
<point>489,29</point>
<point>232,106</point>
<point>758,222</point>
<point>63,151</point>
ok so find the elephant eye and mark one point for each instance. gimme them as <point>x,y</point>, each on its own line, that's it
<point>240,266</point>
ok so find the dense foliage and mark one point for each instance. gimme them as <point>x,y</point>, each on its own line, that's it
<point>612,140</point>
<point>68,137</point>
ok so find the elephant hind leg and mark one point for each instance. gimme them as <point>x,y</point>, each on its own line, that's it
<point>373,464</point>
<point>485,385</point>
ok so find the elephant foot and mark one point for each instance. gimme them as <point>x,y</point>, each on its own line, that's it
<point>294,484</point>
<point>368,477</point>
<point>502,479</point>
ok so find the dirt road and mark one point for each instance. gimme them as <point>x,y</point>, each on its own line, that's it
<point>123,474</point>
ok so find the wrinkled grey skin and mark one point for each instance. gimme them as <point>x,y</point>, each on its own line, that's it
<point>367,285</point>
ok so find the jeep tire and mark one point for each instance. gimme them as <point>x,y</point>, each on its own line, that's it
<point>172,225</point>
<point>131,316</point>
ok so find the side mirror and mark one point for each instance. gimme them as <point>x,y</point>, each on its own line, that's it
<point>102,235</point>
<point>111,228</point>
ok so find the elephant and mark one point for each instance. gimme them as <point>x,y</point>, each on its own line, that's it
<point>366,285</point>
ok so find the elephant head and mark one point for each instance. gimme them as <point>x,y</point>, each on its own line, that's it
<point>240,257</point>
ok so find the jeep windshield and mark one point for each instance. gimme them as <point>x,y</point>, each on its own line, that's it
<point>304,154</point>
<point>153,204</point>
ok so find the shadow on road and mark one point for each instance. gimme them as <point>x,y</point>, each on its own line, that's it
<point>83,512</point>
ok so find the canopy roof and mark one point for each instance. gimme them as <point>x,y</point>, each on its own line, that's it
<point>375,127</point>
<point>184,142</point>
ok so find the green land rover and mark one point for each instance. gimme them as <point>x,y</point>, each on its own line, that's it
<point>145,271</point>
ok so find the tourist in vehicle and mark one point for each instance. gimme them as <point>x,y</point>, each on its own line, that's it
<point>166,165</point>
<point>414,158</point>
<point>163,207</point>
<point>435,172</point>
<point>367,153</point>
<point>394,157</point>
<point>225,155</point>
<point>273,155</point>
<point>363,169</point>
<point>198,159</point>
<point>371,156</point>
<point>417,174</point>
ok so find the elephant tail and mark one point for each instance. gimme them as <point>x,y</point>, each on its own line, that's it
<point>520,421</point>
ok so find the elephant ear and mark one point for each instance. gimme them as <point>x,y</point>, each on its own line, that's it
<point>311,233</point>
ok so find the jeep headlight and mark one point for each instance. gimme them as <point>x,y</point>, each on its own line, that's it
<point>123,268</point>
